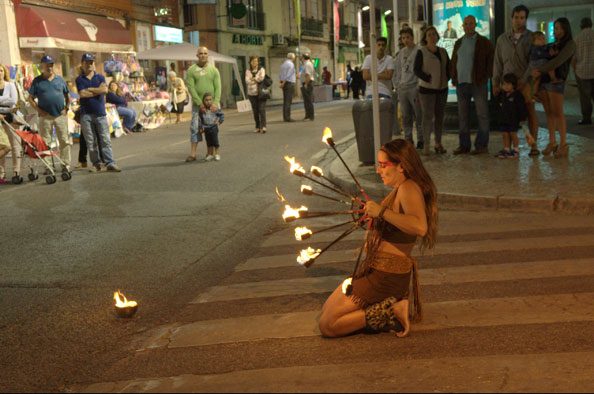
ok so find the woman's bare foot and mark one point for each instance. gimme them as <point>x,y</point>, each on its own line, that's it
<point>401,314</point>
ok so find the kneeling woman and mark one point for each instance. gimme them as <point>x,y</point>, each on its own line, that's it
<point>380,289</point>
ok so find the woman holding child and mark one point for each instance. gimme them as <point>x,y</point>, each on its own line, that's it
<point>380,289</point>
<point>551,93</point>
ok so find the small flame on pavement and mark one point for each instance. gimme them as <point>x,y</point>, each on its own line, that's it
<point>305,189</point>
<point>122,304</point>
<point>327,135</point>
<point>295,167</point>
<point>308,254</point>
<point>346,284</point>
<point>280,196</point>
<point>317,171</point>
<point>302,233</point>
<point>291,214</point>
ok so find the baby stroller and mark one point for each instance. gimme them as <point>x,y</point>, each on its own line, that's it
<point>36,148</point>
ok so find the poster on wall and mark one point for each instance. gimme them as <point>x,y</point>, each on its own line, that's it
<point>447,19</point>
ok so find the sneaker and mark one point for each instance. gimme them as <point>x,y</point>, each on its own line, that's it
<point>461,150</point>
<point>479,150</point>
<point>209,158</point>
<point>503,154</point>
<point>95,169</point>
<point>514,154</point>
<point>113,168</point>
<point>81,165</point>
<point>217,157</point>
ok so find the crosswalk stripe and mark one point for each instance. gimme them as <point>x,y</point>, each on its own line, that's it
<point>539,309</point>
<point>333,256</point>
<point>497,373</point>
<point>432,276</point>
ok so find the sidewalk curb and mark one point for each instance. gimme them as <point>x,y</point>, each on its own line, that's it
<point>451,200</point>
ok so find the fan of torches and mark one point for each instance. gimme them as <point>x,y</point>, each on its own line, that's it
<point>307,256</point>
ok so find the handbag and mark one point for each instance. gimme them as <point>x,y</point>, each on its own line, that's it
<point>244,106</point>
<point>265,88</point>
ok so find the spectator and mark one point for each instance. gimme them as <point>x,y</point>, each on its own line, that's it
<point>287,84</point>
<point>254,75</point>
<point>583,65</point>
<point>177,94</point>
<point>539,55</point>
<point>511,56</point>
<point>385,69</point>
<point>8,100</point>
<point>92,89</point>
<point>551,93</point>
<point>53,100</point>
<point>210,122</point>
<point>202,78</point>
<point>348,78</point>
<point>432,67</point>
<point>450,33</point>
<point>128,115</point>
<point>306,79</point>
<point>356,82</point>
<point>407,86</point>
<point>326,76</point>
<point>471,68</point>
<point>513,112</point>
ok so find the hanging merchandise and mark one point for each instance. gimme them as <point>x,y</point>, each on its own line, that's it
<point>112,65</point>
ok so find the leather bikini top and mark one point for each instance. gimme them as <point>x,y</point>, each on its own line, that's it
<point>394,235</point>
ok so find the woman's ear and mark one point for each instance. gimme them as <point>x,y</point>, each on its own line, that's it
<point>400,168</point>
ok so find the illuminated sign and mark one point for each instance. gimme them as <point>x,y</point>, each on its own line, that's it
<point>169,34</point>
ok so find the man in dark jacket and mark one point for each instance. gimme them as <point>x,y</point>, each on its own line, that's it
<point>470,68</point>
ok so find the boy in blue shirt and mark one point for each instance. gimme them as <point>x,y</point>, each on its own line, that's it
<point>209,125</point>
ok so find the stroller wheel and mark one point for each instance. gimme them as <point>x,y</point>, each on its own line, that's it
<point>32,177</point>
<point>50,179</point>
<point>17,179</point>
<point>66,176</point>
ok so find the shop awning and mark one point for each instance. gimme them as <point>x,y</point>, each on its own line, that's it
<point>184,52</point>
<point>40,27</point>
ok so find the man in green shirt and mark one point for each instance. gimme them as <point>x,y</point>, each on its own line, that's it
<point>201,78</point>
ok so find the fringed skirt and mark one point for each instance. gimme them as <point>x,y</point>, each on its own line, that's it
<point>388,275</point>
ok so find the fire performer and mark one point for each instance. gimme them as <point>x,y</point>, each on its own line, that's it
<point>379,297</point>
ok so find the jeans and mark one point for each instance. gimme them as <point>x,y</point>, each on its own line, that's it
<point>465,92</point>
<point>128,116</point>
<point>307,94</point>
<point>409,105</point>
<point>195,135</point>
<point>259,111</point>
<point>433,107</point>
<point>60,123</point>
<point>586,89</point>
<point>288,89</point>
<point>211,134</point>
<point>96,133</point>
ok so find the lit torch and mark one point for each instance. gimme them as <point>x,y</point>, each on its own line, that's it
<point>302,233</point>
<point>307,256</point>
<point>327,138</point>
<point>123,307</point>
<point>308,191</point>
<point>317,171</point>
<point>291,214</point>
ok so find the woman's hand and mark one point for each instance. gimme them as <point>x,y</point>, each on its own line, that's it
<point>372,209</point>
<point>535,74</point>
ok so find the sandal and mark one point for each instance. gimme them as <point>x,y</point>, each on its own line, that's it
<point>551,147</point>
<point>257,131</point>
<point>190,158</point>
<point>263,130</point>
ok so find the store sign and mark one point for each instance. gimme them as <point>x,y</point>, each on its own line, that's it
<point>169,34</point>
<point>247,39</point>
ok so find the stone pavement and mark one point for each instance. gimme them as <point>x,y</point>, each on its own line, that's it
<point>540,183</point>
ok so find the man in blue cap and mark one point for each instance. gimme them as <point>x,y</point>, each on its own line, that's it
<point>51,93</point>
<point>92,89</point>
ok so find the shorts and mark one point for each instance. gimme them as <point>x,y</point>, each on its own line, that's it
<point>195,135</point>
<point>374,286</point>
<point>553,87</point>
<point>212,136</point>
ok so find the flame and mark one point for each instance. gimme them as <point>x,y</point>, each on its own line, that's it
<point>327,135</point>
<point>305,189</point>
<point>280,196</point>
<point>346,284</point>
<point>308,254</point>
<point>120,303</point>
<point>317,171</point>
<point>295,167</point>
<point>302,233</point>
<point>291,213</point>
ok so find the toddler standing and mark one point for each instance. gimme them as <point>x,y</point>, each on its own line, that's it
<point>210,122</point>
<point>513,111</point>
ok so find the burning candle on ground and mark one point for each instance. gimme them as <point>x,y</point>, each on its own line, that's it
<point>307,255</point>
<point>123,307</point>
<point>291,214</point>
<point>302,233</point>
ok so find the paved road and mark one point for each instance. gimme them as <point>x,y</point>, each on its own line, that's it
<point>508,303</point>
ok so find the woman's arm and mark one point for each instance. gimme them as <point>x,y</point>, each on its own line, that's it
<point>248,77</point>
<point>565,54</point>
<point>260,75</point>
<point>10,99</point>
<point>418,68</point>
<point>113,98</point>
<point>414,220</point>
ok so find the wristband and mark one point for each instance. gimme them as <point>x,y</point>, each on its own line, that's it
<point>381,213</point>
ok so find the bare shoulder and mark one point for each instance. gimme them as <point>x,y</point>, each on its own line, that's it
<point>410,187</point>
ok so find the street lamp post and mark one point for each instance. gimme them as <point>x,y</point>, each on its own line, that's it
<point>374,81</point>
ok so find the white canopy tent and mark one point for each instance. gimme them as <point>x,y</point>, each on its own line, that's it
<point>187,52</point>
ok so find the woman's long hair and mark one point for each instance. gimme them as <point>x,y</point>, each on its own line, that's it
<point>6,73</point>
<point>403,152</point>
<point>118,91</point>
<point>567,36</point>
